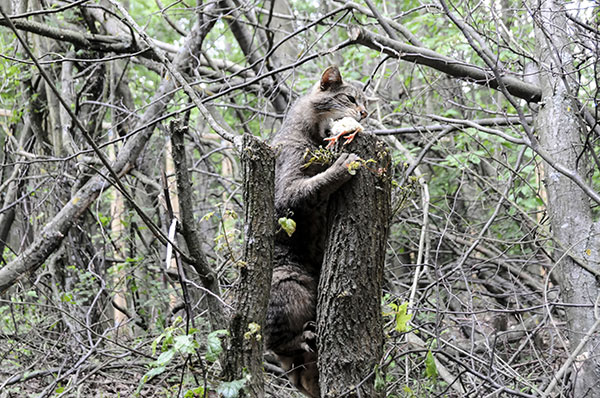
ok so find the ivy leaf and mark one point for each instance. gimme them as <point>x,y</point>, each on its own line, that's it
<point>430,368</point>
<point>213,345</point>
<point>231,389</point>
<point>288,225</point>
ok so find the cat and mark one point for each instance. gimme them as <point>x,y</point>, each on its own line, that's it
<point>302,191</point>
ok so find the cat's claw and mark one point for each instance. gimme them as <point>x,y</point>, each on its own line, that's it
<point>309,336</point>
<point>346,128</point>
<point>348,138</point>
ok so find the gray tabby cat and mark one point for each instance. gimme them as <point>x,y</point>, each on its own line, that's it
<point>301,193</point>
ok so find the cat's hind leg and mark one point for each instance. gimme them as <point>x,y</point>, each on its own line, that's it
<point>290,328</point>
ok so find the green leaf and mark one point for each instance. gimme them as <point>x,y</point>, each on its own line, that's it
<point>253,330</point>
<point>195,392</point>
<point>67,298</point>
<point>451,112</point>
<point>165,357</point>
<point>353,166</point>
<point>379,380</point>
<point>213,345</point>
<point>231,213</point>
<point>154,372</point>
<point>184,344</point>
<point>430,368</point>
<point>288,225</point>
<point>155,343</point>
<point>207,216</point>
<point>402,318</point>
<point>231,389</point>
<point>150,374</point>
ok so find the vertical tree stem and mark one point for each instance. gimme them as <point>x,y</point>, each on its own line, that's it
<point>245,345</point>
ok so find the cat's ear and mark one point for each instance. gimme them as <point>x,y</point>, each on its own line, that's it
<point>331,78</point>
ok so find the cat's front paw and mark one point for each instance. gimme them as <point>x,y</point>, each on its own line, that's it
<point>347,162</point>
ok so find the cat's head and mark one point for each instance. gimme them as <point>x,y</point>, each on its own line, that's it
<point>332,98</point>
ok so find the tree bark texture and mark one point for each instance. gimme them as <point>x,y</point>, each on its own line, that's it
<point>569,208</point>
<point>244,353</point>
<point>349,320</point>
<point>191,230</point>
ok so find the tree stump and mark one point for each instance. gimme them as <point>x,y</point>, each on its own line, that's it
<point>349,319</point>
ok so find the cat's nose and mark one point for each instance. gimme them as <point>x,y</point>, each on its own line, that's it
<point>363,113</point>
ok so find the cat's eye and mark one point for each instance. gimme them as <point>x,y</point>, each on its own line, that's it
<point>351,99</point>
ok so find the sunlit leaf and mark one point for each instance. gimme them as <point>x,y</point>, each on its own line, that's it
<point>288,225</point>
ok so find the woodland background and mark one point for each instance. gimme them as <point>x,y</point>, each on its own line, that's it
<point>490,109</point>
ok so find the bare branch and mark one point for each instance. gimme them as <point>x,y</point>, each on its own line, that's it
<point>424,56</point>
<point>54,231</point>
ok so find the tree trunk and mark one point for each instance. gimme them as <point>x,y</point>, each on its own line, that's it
<point>13,189</point>
<point>171,182</point>
<point>245,349</point>
<point>569,207</point>
<point>119,278</point>
<point>191,230</point>
<point>349,321</point>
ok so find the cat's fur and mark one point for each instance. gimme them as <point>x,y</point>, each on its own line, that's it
<point>302,194</point>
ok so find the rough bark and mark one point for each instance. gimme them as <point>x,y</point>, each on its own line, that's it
<point>191,231</point>
<point>569,207</point>
<point>245,345</point>
<point>349,323</point>
<point>13,186</point>
<point>81,40</point>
